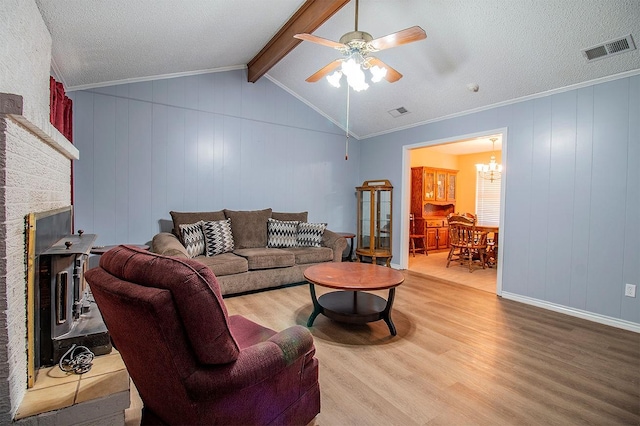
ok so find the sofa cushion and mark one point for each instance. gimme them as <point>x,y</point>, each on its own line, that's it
<point>218,237</point>
<point>183,218</point>
<point>193,238</point>
<point>310,234</point>
<point>249,227</point>
<point>282,233</point>
<point>300,217</point>
<point>267,258</point>
<point>306,255</point>
<point>225,264</point>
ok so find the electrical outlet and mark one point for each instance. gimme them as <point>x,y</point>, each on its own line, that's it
<point>630,290</point>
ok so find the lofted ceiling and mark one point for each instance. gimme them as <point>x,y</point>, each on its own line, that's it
<point>509,49</point>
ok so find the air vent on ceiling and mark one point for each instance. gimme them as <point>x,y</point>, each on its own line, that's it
<point>612,47</point>
<point>398,112</point>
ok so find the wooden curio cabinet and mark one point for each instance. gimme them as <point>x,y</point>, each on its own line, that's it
<point>433,196</point>
<point>374,228</point>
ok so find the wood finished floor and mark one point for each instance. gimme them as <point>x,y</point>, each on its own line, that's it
<point>462,357</point>
<point>434,265</point>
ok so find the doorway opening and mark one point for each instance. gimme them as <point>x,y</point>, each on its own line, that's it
<point>452,163</point>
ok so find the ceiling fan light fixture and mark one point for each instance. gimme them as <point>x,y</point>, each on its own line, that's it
<point>350,66</point>
<point>356,80</point>
<point>377,73</point>
<point>334,79</point>
<point>353,70</point>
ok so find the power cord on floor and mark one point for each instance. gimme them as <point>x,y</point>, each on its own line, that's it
<point>78,359</point>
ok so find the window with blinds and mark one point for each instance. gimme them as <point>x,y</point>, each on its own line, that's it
<point>488,201</point>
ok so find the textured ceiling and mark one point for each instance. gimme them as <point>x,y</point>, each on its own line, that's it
<point>511,49</point>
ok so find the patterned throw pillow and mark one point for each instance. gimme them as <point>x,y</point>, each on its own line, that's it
<point>218,236</point>
<point>310,234</point>
<point>193,238</point>
<point>282,233</point>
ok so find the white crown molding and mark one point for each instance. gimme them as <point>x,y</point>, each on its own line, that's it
<point>579,313</point>
<point>511,101</point>
<point>154,77</point>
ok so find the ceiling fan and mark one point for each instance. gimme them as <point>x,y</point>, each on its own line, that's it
<point>355,47</point>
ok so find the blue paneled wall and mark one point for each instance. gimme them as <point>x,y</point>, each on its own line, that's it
<point>572,193</point>
<point>201,143</point>
<point>572,186</point>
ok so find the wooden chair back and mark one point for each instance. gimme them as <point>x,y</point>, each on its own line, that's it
<point>464,236</point>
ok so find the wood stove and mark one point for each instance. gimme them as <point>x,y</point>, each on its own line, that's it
<point>64,312</point>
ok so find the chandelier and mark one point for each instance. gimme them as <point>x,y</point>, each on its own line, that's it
<point>493,170</point>
<point>353,68</point>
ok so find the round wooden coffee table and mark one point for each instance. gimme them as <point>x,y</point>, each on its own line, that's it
<point>352,304</point>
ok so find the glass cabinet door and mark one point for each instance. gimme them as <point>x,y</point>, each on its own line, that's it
<point>441,188</point>
<point>364,221</point>
<point>383,240</point>
<point>451,186</point>
<point>429,184</point>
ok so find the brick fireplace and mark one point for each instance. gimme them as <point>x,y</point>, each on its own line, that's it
<point>35,163</point>
<point>35,177</point>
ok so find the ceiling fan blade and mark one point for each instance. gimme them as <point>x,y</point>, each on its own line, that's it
<point>324,71</point>
<point>392,75</point>
<point>319,40</point>
<point>405,36</point>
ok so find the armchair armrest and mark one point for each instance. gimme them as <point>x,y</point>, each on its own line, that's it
<point>335,242</point>
<point>168,244</point>
<point>294,342</point>
<point>254,364</point>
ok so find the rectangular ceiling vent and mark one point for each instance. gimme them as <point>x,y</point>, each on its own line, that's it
<point>609,48</point>
<point>398,112</point>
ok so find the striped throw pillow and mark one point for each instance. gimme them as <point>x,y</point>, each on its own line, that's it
<point>218,236</point>
<point>193,238</point>
<point>282,233</point>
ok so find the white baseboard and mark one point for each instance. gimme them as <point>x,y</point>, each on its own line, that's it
<point>590,316</point>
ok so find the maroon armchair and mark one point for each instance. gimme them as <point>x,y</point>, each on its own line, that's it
<point>191,362</point>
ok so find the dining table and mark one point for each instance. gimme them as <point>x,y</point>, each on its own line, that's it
<point>492,251</point>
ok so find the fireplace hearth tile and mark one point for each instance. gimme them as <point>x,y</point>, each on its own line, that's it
<point>74,394</point>
<point>47,399</point>
<point>100,386</point>
<point>53,376</point>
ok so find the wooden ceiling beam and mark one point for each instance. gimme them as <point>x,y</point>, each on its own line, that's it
<point>307,19</point>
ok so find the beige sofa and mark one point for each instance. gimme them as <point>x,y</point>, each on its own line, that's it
<point>251,265</point>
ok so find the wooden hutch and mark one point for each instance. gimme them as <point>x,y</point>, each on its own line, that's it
<point>433,197</point>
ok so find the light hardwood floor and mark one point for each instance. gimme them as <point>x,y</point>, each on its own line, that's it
<point>462,357</point>
<point>434,265</point>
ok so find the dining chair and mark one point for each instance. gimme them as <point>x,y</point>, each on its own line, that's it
<point>413,236</point>
<point>464,237</point>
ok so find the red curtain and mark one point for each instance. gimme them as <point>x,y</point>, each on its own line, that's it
<point>61,114</point>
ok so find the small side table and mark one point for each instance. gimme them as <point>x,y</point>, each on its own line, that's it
<point>349,236</point>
